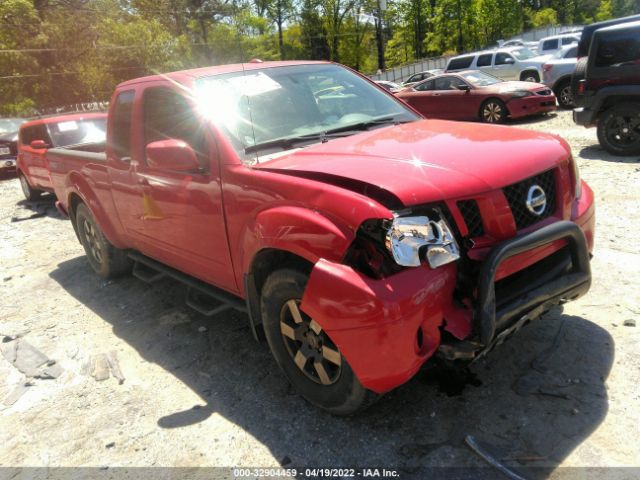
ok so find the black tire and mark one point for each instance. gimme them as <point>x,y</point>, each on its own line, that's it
<point>619,129</point>
<point>493,110</point>
<point>105,259</point>
<point>530,76</point>
<point>333,387</point>
<point>578,74</point>
<point>28,191</point>
<point>564,94</point>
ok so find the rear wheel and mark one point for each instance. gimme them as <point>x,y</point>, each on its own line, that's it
<point>619,129</point>
<point>530,76</point>
<point>105,259</point>
<point>564,95</point>
<point>493,111</point>
<point>303,350</point>
<point>29,192</point>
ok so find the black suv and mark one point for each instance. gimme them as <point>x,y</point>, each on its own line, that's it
<point>606,86</point>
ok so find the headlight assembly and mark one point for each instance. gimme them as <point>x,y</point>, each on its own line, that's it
<point>521,94</point>
<point>412,239</point>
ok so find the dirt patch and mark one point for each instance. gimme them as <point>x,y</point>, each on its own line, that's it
<point>563,392</point>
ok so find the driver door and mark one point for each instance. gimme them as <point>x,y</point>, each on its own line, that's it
<point>182,218</point>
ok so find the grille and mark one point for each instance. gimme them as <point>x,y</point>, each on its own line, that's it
<point>471,214</point>
<point>517,197</point>
<point>544,92</point>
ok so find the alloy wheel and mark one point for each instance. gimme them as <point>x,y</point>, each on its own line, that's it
<point>565,96</point>
<point>91,236</point>
<point>311,349</point>
<point>623,131</point>
<point>492,112</point>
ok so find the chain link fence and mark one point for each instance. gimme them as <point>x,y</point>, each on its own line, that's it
<point>403,72</point>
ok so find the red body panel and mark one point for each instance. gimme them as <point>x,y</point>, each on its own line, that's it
<point>33,162</point>
<point>311,202</point>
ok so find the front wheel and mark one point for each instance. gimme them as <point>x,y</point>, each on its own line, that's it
<point>105,259</point>
<point>619,129</point>
<point>303,350</point>
<point>28,191</point>
<point>493,111</point>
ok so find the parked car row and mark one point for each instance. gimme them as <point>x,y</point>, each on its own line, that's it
<point>9,144</point>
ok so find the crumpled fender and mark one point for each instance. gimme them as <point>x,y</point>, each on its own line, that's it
<point>375,322</point>
<point>78,184</point>
<point>304,232</point>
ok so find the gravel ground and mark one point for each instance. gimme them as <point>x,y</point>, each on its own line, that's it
<point>200,392</point>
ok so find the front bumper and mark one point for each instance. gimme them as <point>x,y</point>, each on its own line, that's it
<point>535,104</point>
<point>584,116</point>
<point>387,328</point>
<point>7,164</point>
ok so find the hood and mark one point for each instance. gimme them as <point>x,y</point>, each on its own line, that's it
<point>9,137</point>
<point>514,86</point>
<point>424,161</point>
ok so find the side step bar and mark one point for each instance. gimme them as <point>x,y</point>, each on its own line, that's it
<point>202,297</point>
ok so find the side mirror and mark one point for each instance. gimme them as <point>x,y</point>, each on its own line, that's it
<point>509,61</point>
<point>39,144</point>
<point>464,88</point>
<point>172,154</point>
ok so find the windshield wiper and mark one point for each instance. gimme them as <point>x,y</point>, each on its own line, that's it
<point>290,142</point>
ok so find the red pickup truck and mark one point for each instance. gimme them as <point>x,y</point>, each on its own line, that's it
<point>360,238</point>
<point>36,137</point>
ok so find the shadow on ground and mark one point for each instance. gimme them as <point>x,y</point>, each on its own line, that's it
<point>543,117</point>
<point>596,152</point>
<point>541,394</point>
<point>45,206</point>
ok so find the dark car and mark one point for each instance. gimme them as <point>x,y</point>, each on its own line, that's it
<point>8,144</point>
<point>474,95</point>
<point>607,88</point>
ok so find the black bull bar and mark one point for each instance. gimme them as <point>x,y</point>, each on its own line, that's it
<point>495,325</point>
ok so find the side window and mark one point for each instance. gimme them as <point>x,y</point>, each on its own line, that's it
<point>27,135</point>
<point>424,86</point>
<point>456,83</point>
<point>503,59</point>
<point>619,52</point>
<point>167,114</point>
<point>122,124</point>
<point>484,60</point>
<point>443,83</point>
<point>460,63</point>
<point>572,52</point>
<point>550,44</point>
<point>569,40</point>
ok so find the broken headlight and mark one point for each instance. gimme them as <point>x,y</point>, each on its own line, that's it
<point>413,239</point>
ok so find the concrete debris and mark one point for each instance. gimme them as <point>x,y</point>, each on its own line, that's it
<point>102,366</point>
<point>17,392</point>
<point>29,360</point>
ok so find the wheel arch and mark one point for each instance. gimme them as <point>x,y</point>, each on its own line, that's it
<point>79,191</point>
<point>527,70</point>
<point>285,237</point>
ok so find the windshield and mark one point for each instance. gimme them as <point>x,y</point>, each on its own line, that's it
<point>77,132</point>
<point>296,102</point>
<point>10,125</point>
<point>480,79</point>
<point>523,53</point>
